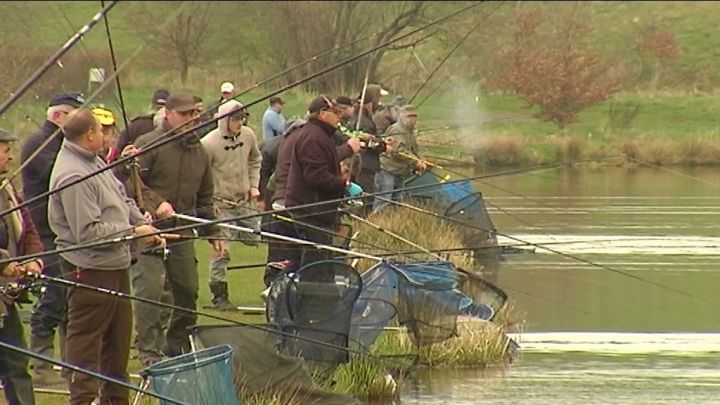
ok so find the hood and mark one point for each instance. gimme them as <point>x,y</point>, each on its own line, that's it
<point>226,108</point>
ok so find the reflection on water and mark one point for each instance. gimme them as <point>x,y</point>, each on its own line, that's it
<point>621,304</point>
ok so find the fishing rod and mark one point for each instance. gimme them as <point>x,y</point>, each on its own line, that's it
<point>52,136</point>
<point>316,245</point>
<point>442,62</point>
<point>114,64</point>
<point>542,246</point>
<point>130,297</point>
<point>56,56</point>
<point>93,374</point>
<point>305,62</point>
<point>164,139</point>
<point>87,102</point>
<point>392,234</point>
<point>296,220</point>
<point>310,205</point>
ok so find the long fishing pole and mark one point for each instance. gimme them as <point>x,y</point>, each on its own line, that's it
<point>56,56</point>
<point>542,246</point>
<point>392,234</point>
<point>114,64</point>
<point>116,72</point>
<point>311,205</point>
<point>52,136</point>
<point>305,62</point>
<point>164,139</point>
<point>93,374</point>
<point>455,48</point>
<point>118,294</point>
<point>316,245</point>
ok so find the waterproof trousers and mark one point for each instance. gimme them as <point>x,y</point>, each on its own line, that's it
<point>98,334</point>
<point>16,381</point>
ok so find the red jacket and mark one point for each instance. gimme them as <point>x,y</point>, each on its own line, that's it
<point>314,174</point>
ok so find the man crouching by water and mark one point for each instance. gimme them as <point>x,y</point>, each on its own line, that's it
<point>94,209</point>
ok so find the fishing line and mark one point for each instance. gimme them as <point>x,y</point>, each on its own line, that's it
<point>12,175</point>
<point>449,54</point>
<point>164,139</point>
<point>93,374</point>
<point>589,262</point>
<point>114,65</point>
<point>677,173</point>
<point>118,294</point>
<point>55,57</point>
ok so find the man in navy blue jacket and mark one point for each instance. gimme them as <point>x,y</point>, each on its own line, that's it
<point>50,311</point>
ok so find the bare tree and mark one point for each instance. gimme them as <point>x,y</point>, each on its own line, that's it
<point>183,38</point>
<point>302,30</point>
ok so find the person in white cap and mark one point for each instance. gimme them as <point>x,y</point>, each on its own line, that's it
<point>227,92</point>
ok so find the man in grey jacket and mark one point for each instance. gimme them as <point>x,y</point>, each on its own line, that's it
<point>235,161</point>
<point>99,326</point>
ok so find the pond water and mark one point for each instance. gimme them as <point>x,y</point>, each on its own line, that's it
<point>620,295</point>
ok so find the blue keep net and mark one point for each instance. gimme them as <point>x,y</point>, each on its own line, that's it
<point>445,190</point>
<point>425,296</point>
<point>205,377</point>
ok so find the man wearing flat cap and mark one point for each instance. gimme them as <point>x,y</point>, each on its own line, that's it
<point>176,178</point>
<point>50,311</point>
<point>17,237</point>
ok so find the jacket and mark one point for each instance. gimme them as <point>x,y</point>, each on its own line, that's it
<point>93,209</point>
<point>269,151</point>
<point>235,160</point>
<point>18,235</point>
<point>383,119</point>
<point>403,141</point>
<point>314,174</point>
<point>139,125</point>
<point>177,172</point>
<point>36,175</point>
<point>370,157</point>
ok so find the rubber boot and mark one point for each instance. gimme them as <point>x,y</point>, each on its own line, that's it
<point>220,297</point>
<point>43,373</point>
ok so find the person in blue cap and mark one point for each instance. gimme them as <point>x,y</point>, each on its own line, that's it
<point>50,312</point>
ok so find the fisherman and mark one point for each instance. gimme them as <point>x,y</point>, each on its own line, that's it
<point>235,161</point>
<point>109,131</point>
<point>227,92</point>
<point>17,237</point>
<point>370,155</point>
<point>99,326</point>
<point>278,252</point>
<point>175,178</point>
<point>143,124</point>
<point>397,165</point>
<point>314,176</point>
<point>273,122</point>
<point>385,116</point>
<point>50,311</point>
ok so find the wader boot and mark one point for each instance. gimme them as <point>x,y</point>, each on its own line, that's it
<point>43,373</point>
<point>220,297</point>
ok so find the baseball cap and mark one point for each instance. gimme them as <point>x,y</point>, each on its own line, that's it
<point>180,102</point>
<point>103,115</point>
<point>75,100</point>
<point>227,87</point>
<point>320,103</point>
<point>160,96</point>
